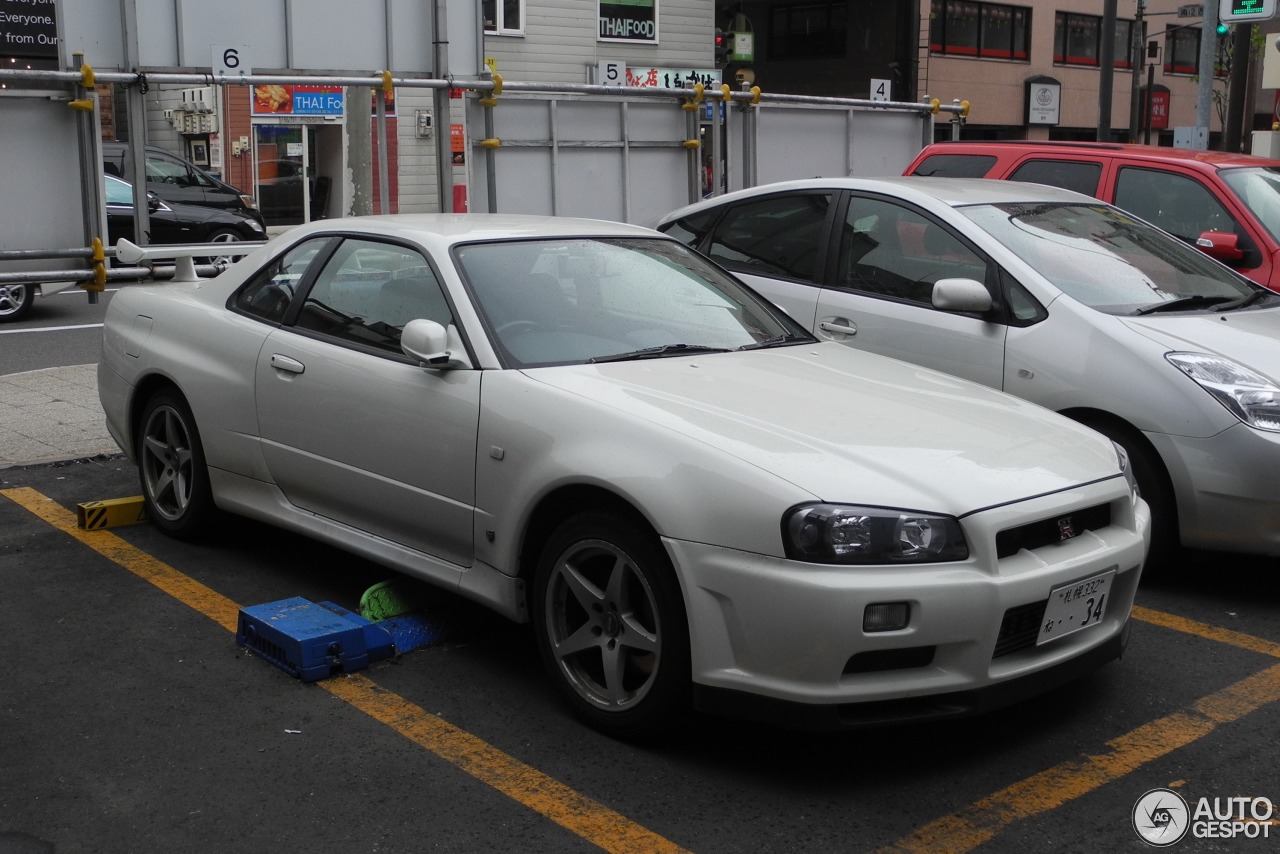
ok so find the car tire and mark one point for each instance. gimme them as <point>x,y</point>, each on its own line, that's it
<point>16,301</point>
<point>611,625</point>
<point>221,235</point>
<point>172,469</point>
<point>1155,486</point>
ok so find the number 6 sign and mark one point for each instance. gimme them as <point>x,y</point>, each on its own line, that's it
<point>231,61</point>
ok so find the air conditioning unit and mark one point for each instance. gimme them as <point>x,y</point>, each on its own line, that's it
<point>199,100</point>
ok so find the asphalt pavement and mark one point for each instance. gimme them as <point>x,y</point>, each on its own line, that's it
<point>52,415</point>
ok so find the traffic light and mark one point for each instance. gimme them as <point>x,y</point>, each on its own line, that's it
<point>724,47</point>
<point>1223,29</point>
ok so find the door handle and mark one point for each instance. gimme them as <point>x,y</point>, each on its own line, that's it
<point>846,327</point>
<point>284,363</point>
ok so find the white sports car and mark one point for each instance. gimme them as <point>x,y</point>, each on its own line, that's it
<point>587,426</point>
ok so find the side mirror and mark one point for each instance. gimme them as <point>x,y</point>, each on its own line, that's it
<point>433,345</point>
<point>153,201</point>
<point>961,295</point>
<point>1221,246</point>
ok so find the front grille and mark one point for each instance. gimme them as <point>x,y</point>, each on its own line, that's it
<point>890,659</point>
<point>1020,628</point>
<point>1049,531</point>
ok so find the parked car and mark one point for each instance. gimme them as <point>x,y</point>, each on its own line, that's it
<point>1047,294</point>
<point>587,426</point>
<point>1226,205</point>
<point>174,179</point>
<point>170,222</point>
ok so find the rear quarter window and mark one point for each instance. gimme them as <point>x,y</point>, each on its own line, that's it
<point>956,165</point>
<point>1079,175</point>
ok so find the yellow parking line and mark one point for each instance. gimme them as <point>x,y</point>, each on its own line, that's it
<point>575,812</point>
<point>1204,630</point>
<point>983,820</point>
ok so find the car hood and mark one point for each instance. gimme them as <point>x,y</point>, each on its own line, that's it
<point>192,214</point>
<point>843,424</point>
<point>1251,338</point>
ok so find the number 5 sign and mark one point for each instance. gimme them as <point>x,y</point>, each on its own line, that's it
<point>231,61</point>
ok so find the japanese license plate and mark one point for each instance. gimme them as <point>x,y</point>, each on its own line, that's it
<point>1076,606</point>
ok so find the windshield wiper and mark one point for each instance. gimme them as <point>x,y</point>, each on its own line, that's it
<point>657,353</point>
<point>1245,301</point>
<point>776,341</point>
<point>1184,303</point>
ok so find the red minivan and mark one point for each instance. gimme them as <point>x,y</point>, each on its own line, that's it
<point>1228,205</point>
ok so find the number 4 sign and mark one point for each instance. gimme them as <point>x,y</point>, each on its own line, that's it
<point>881,90</point>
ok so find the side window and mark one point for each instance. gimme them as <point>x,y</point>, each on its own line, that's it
<point>891,251</point>
<point>1180,205</point>
<point>691,229</point>
<point>956,165</point>
<point>166,171</point>
<point>269,293</point>
<point>779,235</point>
<point>368,291</point>
<point>1079,175</point>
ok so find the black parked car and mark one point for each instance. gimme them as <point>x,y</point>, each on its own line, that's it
<point>170,223</point>
<point>176,180</point>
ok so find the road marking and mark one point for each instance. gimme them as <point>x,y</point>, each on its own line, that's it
<point>981,821</point>
<point>50,328</point>
<point>574,812</point>
<point>1204,630</point>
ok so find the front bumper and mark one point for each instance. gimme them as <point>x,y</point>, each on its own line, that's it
<point>789,633</point>
<point>1226,488</point>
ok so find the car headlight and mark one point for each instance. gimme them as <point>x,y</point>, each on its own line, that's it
<point>249,201</point>
<point>1251,397</point>
<point>851,534</point>
<point>1126,468</point>
<point>255,225</point>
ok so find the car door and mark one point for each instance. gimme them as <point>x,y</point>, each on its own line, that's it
<point>354,430</point>
<point>777,244</point>
<point>887,258</point>
<point>172,179</point>
<point>1186,206</point>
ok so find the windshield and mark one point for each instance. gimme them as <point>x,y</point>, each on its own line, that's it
<point>565,301</point>
<point>1106,259</point>
<point>1259,190</point>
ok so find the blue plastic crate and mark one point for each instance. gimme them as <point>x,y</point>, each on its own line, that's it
<point>302,638</point>
<point>378,642</point>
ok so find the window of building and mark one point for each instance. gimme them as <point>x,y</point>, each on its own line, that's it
<point>503,17</point>
<point>1181,50</point>
<point>808,32</point>
<point>1077,40</point>
<point>992,30</point>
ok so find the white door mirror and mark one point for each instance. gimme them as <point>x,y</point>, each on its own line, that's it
<point>961,295</point>
<point>432,344</point>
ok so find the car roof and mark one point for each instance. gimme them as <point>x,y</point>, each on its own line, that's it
<point>1186,156</point>
<point>954,192</point>
<point>455,228</point>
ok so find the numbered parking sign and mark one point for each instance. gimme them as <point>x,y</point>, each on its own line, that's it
<point>881,90</point>
<point>231,61</point>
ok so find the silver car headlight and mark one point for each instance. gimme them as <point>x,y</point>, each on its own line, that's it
<point>1249,396</point>
<point>1126,468</point>
<point>851,534</point>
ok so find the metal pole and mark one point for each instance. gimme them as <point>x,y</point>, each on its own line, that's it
<point>1139,39</point>
<point>1146,105</point>
<point>440,68</point>
<point>1208,55</point>
<point>136,110</point>
<point>1107,77</point>
<point>384,192</point>
<point>1240,59</point>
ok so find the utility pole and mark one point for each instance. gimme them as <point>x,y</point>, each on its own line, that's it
<point>1139,41</point>
<point>1208,54</point>
<point>1107,77</point>
<point>1232,134</point>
